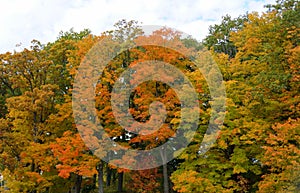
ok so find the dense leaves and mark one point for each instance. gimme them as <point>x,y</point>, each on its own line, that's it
<point>257,149</point>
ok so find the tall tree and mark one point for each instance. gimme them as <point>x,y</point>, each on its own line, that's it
<point>261,85</point>
<point>219,35</point>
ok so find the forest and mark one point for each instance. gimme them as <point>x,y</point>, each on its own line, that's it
<point>45,148</point>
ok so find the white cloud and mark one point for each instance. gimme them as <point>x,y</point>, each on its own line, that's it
<point>22,21</point>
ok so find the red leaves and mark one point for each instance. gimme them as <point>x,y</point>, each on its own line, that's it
<point>144,181</point>
<point>73,156</point>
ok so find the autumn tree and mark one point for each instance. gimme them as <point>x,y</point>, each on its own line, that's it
<point>281,157</point>
<point>32,93</point>
<point>51,142</point>
<point>27,114</point>
<point>261,85</point>
<point>73,158</point>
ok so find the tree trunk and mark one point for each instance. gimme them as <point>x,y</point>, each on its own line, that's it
<point>78,183</point>
<point>94,181</point>
<point>100,177</point>
<point>108,176</point>
<point>165,170</point>
<point>114,177</point>
<point>120,182</point>
<point>166,178</point>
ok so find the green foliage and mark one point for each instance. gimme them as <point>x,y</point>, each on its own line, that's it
<point>219,35</point>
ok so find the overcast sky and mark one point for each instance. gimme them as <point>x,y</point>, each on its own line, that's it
<point>24,20</point>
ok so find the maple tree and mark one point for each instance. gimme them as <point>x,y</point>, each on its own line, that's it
<point>261,92</point>
<point>49,145</point>
<point>73,158</point>
<point>143,181</point>
<point>281,157</point>
<point>145,93</point>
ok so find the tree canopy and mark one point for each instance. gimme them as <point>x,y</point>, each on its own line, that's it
<point>257,147</point>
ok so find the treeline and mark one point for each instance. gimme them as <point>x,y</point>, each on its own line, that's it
<point>258,146</point>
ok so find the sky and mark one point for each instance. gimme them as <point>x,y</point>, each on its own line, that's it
<point>22,21</point>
